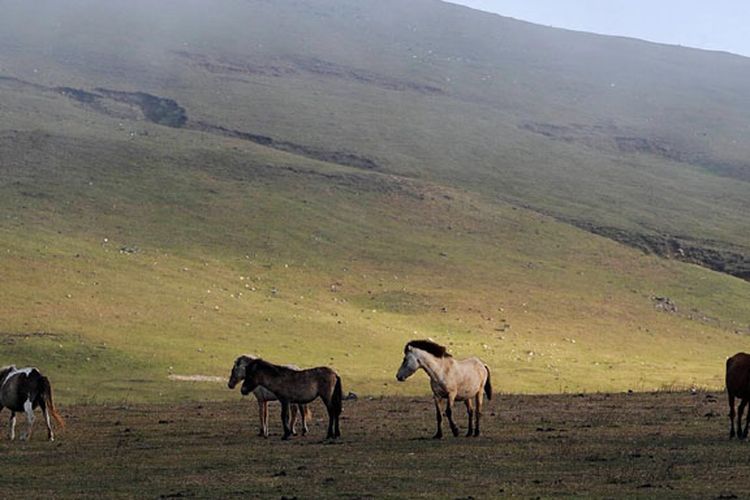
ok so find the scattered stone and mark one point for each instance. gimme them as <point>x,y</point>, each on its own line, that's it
<point>664,304</point>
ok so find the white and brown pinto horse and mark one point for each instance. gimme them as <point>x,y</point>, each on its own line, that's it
<point>263,396</point>
<point>450,379</point>
<point>24,390</point>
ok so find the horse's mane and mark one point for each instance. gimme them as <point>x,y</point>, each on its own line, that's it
<point>5,370</point>
<point>274,370</point>
<point>246,357</point>
<point>429,346</point>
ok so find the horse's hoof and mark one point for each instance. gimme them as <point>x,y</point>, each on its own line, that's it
<point>455,431</point>
<point>439,435</point>
<point>285,437</point>
<point>469,434</point>
<point>476,433</point>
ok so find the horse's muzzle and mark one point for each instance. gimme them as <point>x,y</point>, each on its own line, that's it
<point>231,384</point>
<point>400,378</point>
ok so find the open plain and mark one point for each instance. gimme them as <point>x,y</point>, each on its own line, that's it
<point>639,445</point>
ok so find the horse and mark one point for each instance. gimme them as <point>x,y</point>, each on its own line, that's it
<point>297,387</point>
<point>24,390</point>
<point>263,396</point>
<point>450,379</point>
<point>738,386</point>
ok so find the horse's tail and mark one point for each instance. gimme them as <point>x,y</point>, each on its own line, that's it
<point>338,397</point>
<point>488,383</point>
<point>46,393</point>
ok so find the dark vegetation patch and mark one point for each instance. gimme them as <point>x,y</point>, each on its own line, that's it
<point>609,137</point>
<point>79,95</point>
<point>167,112</point>
<point>338,157</point>
<point>160,110</point>
<point>291,66</point>
<point>711,254</point>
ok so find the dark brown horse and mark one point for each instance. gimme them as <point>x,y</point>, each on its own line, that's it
<point>263,396</point>
<point>738,386</point>
<point>24,390</point>
<point>297,387</point>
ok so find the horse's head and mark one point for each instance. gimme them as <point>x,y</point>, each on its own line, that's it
<point>239,370</point>
<point>250,381</point>
<point>409,365</point>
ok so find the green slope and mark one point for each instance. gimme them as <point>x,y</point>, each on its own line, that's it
<point>130,250</point>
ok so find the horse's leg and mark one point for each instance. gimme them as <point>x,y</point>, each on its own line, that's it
<point>331,419</point>
<point>295,417</point>
<point>12,431</point>
<point>439,417</point>
<point>478,411</point>
<point>743,403</point>
<point>747,424</point>
<point>29,410</point>
<point>336,429</point>
<point>305,412</point>
<point>263,417</point>
<point>469,412</point>
<point>285,419</point>
<point>449,414</point>
<point>731,415</point>
<point>45,412</point>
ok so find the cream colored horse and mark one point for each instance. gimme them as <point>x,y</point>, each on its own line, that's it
<point>263,396</point>
<point>450,379</point>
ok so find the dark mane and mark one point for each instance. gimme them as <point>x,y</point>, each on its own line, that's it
<point>429,346</point>
<point>270,368</point>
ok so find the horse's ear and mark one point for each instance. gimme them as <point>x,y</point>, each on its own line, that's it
<point>408,348</point>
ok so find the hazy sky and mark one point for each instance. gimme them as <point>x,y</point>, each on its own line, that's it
<point>708,24</point>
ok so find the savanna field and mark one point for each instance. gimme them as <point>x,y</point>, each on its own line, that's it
<point>319,182</point>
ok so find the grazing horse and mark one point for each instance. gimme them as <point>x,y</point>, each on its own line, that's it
<point>263,396</point>
<point>24,390</point>
<point>738,386</point>
<point>450,379</point>
<point>297,387</point>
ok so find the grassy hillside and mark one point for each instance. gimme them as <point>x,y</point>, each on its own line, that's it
<point>330,197</point>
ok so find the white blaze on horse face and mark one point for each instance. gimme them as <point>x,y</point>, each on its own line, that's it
<point>408,366</point>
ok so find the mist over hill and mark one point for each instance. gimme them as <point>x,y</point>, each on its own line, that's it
<point>369,170</point>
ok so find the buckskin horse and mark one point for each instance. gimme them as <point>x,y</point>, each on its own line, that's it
<point>263,396</point>
<point>450,379</point>
<point>297,387</point>
<point>24,390</point>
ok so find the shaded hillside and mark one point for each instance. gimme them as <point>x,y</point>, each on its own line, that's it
<point>321,181</point>
<point>607,132</point>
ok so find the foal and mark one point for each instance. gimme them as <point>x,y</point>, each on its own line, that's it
<point>24,390</point>
<point>738,386</point>
<point>263,396</point>
<point>450,379</point>
<point>297,387</point>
